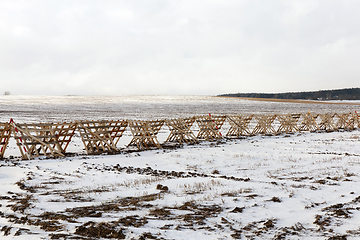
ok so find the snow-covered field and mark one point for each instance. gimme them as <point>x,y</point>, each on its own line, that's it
<point>300,186</point>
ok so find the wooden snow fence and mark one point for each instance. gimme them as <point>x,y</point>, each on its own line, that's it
<point>52,139</point>
<point>347,121</point>
<point>288,123</point>
<point>144,133</point>
<point>308,122</point>
<point>180,130</point>
<point>209,127</point>
<point>101,136</point>
<point>327,122</point>
<point>353,122</point>
<point>239,125</point>
<point>264,124</point>
<point>43,139</point>
<point>342,120</point>
<point>5,134</point>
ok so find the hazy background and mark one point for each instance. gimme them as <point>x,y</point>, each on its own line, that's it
<point>89,47</point>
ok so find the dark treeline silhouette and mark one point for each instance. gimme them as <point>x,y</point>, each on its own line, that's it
<point>338,94</point>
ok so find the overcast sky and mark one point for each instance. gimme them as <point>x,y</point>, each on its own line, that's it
<point>201,47</point>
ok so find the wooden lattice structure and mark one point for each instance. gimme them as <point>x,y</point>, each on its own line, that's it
<point>308,122</point>
<point>40,139</point>
<point>288,123</point>
<point>346,121</point>
<point>264,124</point>
<point>64,133</point>
<point>144,133</point>
<point>351,121</point>
<point>117,128</point>
<point>209,127</point>
<point>5,134</point>
<point>342,120</point>
<point>101,136</point>
<point>327,122</point>
<point>239,125</point>
<point>180,130</point>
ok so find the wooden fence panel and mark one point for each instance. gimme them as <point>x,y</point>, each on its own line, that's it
<point>98,136</point>
<point>343,120</point>
<point>327,122</point>
<point>288,123</point>
<point>180,130</point>
<point>117,128</point>
<point>352,122</point>
<point>308,122</point>
<point>36,139</point>
<point>144,133</point>
<point>209,127</point>
<point>264,124</point>
<point>239,125</point>
<point>64,133</point>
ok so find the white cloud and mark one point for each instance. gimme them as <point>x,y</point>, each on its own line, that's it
<point>177,47</point>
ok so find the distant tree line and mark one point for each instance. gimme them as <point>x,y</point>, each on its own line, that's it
<point>338,94</point>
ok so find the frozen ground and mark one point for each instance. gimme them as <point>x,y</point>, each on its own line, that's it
<point>301,186</point>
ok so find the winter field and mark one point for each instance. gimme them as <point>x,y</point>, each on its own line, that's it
<point>299,186</point>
